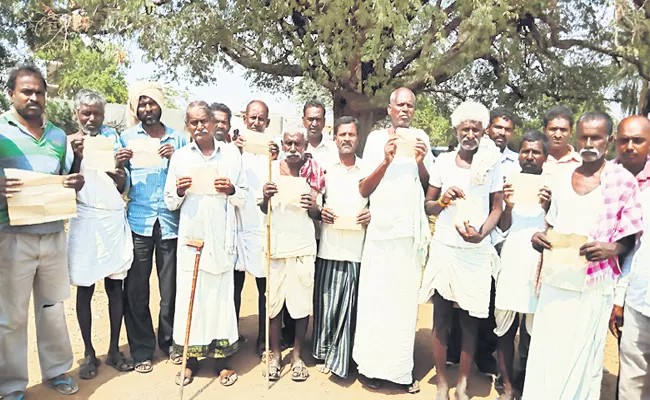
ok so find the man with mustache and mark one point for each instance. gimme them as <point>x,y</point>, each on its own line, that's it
<point>515,287</point>
<point>324,151</point>
<point>209,217</point>
<point>600,201</point>
<point>502,125</point>
<point>558,125</point>
<point>462,259</point>
<point>100,245</point>
<point>33,257</point>
<point>222,116</point>
<point>397,235</point>
<point>339,255</point>
<point>251,222</point>
<point>293,249</point>
<point>155,228</point>
<point>633,149</point>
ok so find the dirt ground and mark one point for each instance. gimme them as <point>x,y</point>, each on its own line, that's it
<point>159,384</point>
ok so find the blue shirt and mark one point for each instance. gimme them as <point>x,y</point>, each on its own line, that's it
<point>146,195</point>
<point>19,149</point>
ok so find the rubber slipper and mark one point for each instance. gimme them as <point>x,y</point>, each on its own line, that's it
<point>120,363</point>
<point>227,377</point>
<point>299,371</point>
<point>176,358</point>
<point>144,366</point>
<point>88,369</point>
<point>65,386</point>
<point>414,387</point>
<point>275,369</point>
<point>21,395</point>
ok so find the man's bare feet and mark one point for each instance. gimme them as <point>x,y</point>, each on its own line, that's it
<point>442,392</point>
<point>461,391</point>
<point>322,368</point>
<point>507,396</point>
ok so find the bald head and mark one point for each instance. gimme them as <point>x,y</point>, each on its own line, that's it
<point>633,143</point>
<point>257,116</point>
<point>401,108</point>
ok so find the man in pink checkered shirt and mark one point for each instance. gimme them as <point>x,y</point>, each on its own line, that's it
<point>594,207</point>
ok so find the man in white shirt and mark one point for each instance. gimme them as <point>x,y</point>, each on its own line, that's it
<point>397,235</point>
<point>209,217</point>
<point>502,125</point>
<point>465,193</point>
<point>339,254</point>
<point>631,299</point>
<point>516,282</point>
<point>293,247</point>
<point>322,149</point>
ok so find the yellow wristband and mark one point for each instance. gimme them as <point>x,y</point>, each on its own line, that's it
<point>441,204</point>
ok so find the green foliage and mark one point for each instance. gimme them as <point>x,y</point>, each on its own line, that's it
<point>59,112</point>
<point>307,89</point>
<point>98,66</point>
<point>430,119</point>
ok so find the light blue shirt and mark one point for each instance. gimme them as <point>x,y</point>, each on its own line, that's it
<point>146,188</point>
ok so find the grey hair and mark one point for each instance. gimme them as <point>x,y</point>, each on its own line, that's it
<point>89,97</point>
<point>470,111</point>
<point>201,105</point>
<point>393,95</point>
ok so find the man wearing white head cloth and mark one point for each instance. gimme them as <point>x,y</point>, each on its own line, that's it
<point>465,193</point>
<point>154,227</point>
<point>395,249</point>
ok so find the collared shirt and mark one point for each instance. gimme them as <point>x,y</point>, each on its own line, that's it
<point>51,154</point>
<point>146,199</point>
<point>326,153</point>
<point>569,161</point>
<point>509,163</point>
<point>343,198</point>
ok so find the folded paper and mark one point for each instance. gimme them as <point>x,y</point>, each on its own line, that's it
<point>290,190</point>
<point>563,266</point>
<point>42,199</point>
<point>346,223</point>
<point>526,188</point>
<point>98,153</point>
<point>145,152</point>
<point>203,180</point>
<point>256,143</point>
<point>407,138</point>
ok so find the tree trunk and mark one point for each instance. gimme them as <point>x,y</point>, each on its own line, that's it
<point>644,99</point>
<point>362,108</point>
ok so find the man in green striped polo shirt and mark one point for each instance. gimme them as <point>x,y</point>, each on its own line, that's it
<point>32,257</point>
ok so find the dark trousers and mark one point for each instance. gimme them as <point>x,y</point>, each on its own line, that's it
<point>240,277</point>
<point>487,339</point>
<point>137,316</point>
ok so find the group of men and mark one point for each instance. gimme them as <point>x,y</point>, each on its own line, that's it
<point>351,244</point>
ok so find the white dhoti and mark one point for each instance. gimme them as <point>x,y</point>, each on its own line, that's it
<point>387,310</point>
<point>292,282</point>
<point>100,243</point>
<point>251,253</point>
<point>460,274</point>
<point>568,343</point>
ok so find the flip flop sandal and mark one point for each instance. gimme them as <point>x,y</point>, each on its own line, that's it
<point>275,369</point>
<point>88,369</point>
<point>192,366</point>
<point>414,387</point>
<point>227,377</point>
<point>176,358</point>
<point>299,371</point>
<point>21,395</point>
<point>65,386</point>
<point>144,366</point>
<point>120,363</point>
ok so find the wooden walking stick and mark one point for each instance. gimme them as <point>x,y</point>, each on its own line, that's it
<point>198,245</point>
<point>268,278</point>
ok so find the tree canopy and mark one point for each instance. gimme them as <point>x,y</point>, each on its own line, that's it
<point>525,54</point>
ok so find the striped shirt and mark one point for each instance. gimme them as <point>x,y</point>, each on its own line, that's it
<point>51,154</point>
<point>146,195</point>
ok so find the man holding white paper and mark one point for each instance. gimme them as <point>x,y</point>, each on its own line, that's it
<point>339,254</point>
<point>100,245</point>
<point>295,192</point>
<point>465,193</point>
<point>598,201</point>
<point>148,146</point>
<point>32,257</point>
<point>526,201</point>
<point>397,235</point>
<point>209,216</point>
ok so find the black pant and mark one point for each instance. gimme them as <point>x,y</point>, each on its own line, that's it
<point>240,277</point>
<point>487,339</point>
<point>137,316</point>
